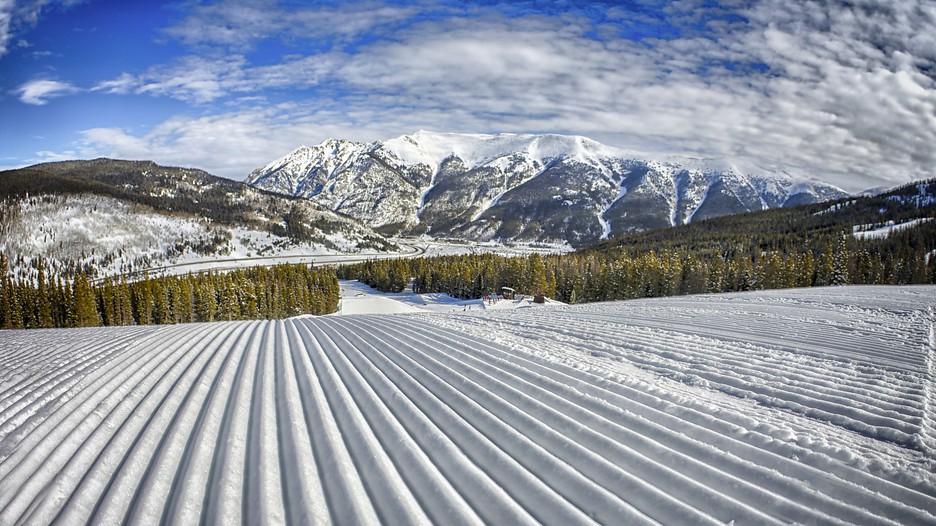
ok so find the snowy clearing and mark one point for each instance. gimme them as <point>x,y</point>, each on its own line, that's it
<point>796,406</point>
<point>872,231</point>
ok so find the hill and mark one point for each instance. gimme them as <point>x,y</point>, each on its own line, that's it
<point>108,216</point>
<point>808,226</point>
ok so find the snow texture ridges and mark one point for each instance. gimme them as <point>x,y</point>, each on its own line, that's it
<point>798,406</point>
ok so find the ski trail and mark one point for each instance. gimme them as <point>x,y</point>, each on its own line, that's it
<point>344,490</point>
<point>522,486</point>
<point>137,409</point>
<point>433,493</point>
<point>303,490</point>
<point>361,438</point>
<point>192,479</point>
<point>262,499</point>
<point>472,484</point>
<point>781,407</point>
<point>222,502</point>
<point>80,409</point>
<point>647,469</point>
<point>101,429</point>
<point>586,496</point>
<point>928,431</point>
<point>29,406</point>
<point>155,496</point>
<point>704,427</point>
<point>135,473</point>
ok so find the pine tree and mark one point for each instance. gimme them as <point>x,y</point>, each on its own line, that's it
<point>839,274</point>
<point>43,302</point>
<point>85,300</point>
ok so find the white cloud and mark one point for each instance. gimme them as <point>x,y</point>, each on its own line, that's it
<point>233,144</point>
<point>122,85</point>
<point>201,80</point>
<point>837,92</point>
<point>239,24</point>
<point>38,92</point>
<point>6,22</point>
<point>15,16</point>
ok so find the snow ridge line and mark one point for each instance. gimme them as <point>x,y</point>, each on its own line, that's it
<point>140,450</point>
<point>751,462</point>
<point>428,429</point>
<point>696,360</point>
<point>60,418</point>
<point>556,415</point>
<point>730,367</point>
<point>107,419</point>
<point>535,416</point>
<point>928,432</point>
<point>380,403</point>
<point>457,391</point>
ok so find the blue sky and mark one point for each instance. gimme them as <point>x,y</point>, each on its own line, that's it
<point>840,91</point>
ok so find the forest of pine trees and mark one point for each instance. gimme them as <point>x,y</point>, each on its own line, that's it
<point>641,271</point>
<point>254,293</point>
<point>626,271</point>
<point>805,246</point>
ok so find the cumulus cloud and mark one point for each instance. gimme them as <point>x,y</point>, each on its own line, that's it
<point>840,91</point>
<point>38,92</point>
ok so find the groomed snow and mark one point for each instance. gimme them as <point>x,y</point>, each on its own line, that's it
<point>810,406</point>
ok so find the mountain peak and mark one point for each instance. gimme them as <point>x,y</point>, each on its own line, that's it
<point>525,187</point>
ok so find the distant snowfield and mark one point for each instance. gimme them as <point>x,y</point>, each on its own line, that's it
<point>870,232</point>
<point>796,406</point>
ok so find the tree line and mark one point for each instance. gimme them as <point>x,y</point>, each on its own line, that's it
<point>605,275</point>
<point>253,293</point>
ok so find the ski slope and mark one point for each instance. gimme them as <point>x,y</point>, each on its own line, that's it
<point>810,406</point>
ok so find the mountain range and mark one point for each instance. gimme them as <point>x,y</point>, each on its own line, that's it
<point>524,187</point>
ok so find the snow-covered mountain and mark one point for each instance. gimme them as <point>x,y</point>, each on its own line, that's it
<point>109,217</point>
<point>524,187</point>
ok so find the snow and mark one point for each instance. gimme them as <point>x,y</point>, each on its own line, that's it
<point>120,238</point>
<point>358,298</point>
<point>431,149</point>
<point>773,407</point>
<point>877,232</point>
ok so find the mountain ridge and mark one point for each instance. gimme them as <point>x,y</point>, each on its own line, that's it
<point>523,187</point>
<point>107,216</point>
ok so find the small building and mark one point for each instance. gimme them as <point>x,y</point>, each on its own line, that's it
<point>508,293</point>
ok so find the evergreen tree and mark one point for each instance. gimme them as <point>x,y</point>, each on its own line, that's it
<point>85,301</point>
<point>839,271</point>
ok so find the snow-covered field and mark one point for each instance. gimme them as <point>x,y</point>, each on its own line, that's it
<point>809,406</point>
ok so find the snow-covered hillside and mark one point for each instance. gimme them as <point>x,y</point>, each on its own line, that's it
<point>524,187</point>
<point>812,406</point>
<point>114,237</point>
